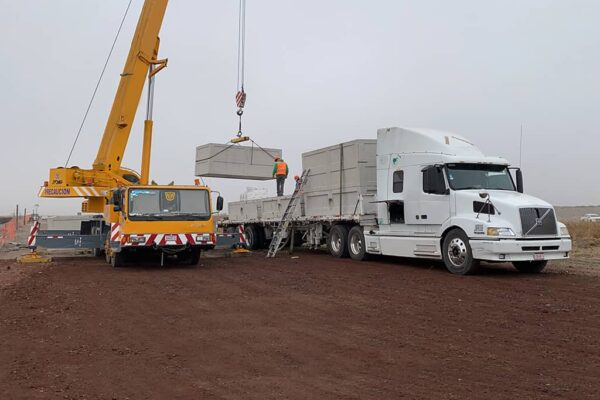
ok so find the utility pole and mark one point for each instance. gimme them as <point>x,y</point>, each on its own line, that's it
<point>17,217</point>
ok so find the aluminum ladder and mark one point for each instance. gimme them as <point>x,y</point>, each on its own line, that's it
<point>287,216</point>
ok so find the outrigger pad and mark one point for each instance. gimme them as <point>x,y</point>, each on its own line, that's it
<point>215,160</point>
<point>33,257</point>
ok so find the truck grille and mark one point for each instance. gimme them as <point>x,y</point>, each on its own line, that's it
<point>538,221</point>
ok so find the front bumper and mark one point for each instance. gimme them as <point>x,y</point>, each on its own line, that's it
<point>160,240</point>
<point>521,250</point>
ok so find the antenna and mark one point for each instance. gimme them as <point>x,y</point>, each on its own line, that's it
<point>521,148</point>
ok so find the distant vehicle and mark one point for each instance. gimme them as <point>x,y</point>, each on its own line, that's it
<point>591,218</point>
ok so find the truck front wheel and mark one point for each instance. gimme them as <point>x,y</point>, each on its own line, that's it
<point>107,250</point>
<point>194,256</point>
<point>530,267</point>
<point>337,241</point>
<point>117,259</point>
<point>356,244</point>
<point>457,254</point>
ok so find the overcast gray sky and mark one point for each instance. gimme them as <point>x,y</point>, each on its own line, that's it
<point>318,72</point>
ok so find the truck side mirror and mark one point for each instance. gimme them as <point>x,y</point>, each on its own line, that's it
<point>116,200</point>
<point>519,180</point>
<point>219,203</point>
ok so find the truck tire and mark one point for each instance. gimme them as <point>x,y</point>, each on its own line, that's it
<point>97,252</point>
<point>117,259</point>
<point>252,236</point>
<point>356,244</point>
<point>530,267</point>
<point>262,237</point>
<point>457,254</point>
<point>107,250</point>
<point>194,256</point>
<point>337,241</point>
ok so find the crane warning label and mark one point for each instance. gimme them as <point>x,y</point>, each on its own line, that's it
<point>57,192</point>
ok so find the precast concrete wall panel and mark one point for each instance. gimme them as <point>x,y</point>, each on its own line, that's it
<point>357,166</point>
<point>274,207</point>
<point>326,203</point>
<point>348,168</point>
<point>215,160</point>
<point>245,210</point>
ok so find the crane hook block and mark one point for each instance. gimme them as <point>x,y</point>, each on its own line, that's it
<point>240,99</point>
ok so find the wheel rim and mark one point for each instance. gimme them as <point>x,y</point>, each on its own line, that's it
<point>457,252</point>
<point>336,241</point>
<point>356,244</point>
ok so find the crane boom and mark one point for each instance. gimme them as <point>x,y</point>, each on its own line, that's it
<point>107,173</point>
<point>142,53</point>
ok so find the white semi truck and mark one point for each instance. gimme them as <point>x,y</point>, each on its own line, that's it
<point>413,193</point>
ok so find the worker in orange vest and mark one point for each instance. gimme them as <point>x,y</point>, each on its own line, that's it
<point>280,172</point>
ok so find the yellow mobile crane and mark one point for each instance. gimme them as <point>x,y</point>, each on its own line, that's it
<point>139,217</point>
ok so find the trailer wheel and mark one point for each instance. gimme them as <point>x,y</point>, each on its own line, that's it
<point>262,237</point>
<point>356,244</point>
<point>457,253</point>
<point>252,236</point>
<point>337,241</point>
<point>530,267</point>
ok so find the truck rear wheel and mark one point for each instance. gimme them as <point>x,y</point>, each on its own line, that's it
<point>457,254</point>
<point>356,244</point>
<point>530,267</point>
<point>337,241</point>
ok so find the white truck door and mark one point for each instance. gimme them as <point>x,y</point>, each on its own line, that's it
<point>434,207</point>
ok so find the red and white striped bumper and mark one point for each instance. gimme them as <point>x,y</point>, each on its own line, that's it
<point>167,239</point>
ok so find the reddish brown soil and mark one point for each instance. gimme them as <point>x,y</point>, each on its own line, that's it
<point>308,328</point>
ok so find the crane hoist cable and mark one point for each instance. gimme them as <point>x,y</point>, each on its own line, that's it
<point>98,83</point>
<point>240,96</point>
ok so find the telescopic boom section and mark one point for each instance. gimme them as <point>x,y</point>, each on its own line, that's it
<point>142,55</point>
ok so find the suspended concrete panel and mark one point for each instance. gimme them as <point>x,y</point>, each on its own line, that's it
<point>215,160</point>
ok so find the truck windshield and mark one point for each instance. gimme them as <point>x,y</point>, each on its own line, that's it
<point>169,204</point>
<point>479,176</point>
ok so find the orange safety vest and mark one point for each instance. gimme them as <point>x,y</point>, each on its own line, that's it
<point>281,168</point>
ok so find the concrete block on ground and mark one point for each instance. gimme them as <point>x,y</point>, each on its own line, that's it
<point>215,160</point>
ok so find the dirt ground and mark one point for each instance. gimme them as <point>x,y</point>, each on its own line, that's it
<point>312,327</point>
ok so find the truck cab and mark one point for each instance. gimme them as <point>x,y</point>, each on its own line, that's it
<point>173,220</point>
<point>439,196</point>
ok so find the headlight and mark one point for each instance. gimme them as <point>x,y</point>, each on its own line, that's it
<point>500,232</point>
<point>137,239</point>
<point>564,231</point>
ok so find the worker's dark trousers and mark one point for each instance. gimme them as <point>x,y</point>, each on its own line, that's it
<point>280,183</point>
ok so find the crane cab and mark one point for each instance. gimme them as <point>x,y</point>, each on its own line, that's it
<point>173,220</point>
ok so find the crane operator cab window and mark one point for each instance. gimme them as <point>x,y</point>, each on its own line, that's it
<point>169,204</point>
